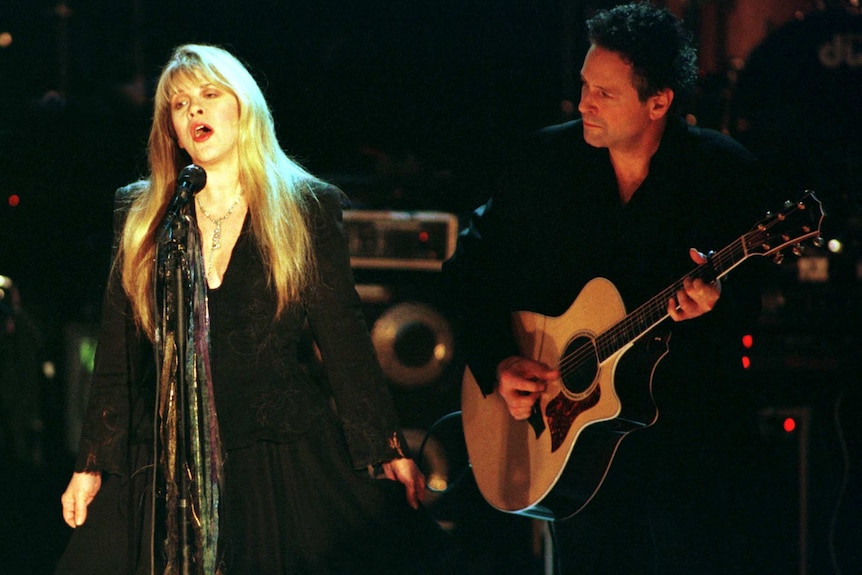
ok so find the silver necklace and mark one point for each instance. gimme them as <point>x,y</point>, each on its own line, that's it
<point>216,243</point>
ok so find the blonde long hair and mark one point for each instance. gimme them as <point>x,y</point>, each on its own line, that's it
<point>278,191</point>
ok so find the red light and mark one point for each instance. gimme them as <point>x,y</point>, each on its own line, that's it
<point>789,425</point>
<point>747,341</point>
<point>423,237</point>
<point>14,200</point>
<point>746,362</point>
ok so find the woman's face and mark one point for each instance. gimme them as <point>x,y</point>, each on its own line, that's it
<point>206,120</point>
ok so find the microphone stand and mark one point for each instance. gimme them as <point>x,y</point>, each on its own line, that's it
<point>175,280</point>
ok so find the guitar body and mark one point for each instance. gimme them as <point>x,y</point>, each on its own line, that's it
<point>551,465</point>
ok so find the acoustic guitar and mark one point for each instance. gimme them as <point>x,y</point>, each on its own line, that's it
<point>550,465</point>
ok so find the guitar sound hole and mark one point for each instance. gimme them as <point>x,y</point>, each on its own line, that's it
<point>579,365</point>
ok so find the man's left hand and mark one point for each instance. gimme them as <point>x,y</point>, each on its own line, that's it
<point>696,296</point>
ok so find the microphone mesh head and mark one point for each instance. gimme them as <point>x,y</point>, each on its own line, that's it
<point>192,177</point>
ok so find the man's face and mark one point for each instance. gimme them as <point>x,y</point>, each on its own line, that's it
<point>613,116</point>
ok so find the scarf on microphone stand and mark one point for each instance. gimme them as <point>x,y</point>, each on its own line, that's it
<point>189,448</point>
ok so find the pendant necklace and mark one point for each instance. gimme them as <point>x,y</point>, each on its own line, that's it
<point>216,242</point>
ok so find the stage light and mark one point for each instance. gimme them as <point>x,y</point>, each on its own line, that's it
<point>835,246</point>
<point>784,423</point>
<point>14,200</point>
<point>747,341</point>
<point>5,39</point>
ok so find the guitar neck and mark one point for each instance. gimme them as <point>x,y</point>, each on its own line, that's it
<point>654,311</point>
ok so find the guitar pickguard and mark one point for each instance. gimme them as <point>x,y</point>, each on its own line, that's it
<point>562,411</point>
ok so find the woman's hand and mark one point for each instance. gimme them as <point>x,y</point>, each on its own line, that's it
<point>80,492</point>
<point>407,472</point>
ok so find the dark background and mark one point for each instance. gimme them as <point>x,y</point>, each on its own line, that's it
<point>406,106</point>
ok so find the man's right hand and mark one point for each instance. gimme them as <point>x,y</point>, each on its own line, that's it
<point>81,490</point>
<point>520,382</point>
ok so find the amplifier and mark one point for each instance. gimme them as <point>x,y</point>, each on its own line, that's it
<point>419,240</point>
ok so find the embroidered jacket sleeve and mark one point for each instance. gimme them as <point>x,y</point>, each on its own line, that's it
<point>117,404</point>
<point>363,402</point>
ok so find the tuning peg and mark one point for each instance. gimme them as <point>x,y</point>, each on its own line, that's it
<point>818,242</point>
<point>778,258</point>
<point>798,249</point>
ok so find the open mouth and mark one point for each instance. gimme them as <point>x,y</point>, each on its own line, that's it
<point>201,132</point>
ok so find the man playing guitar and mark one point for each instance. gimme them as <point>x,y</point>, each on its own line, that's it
<point>625,193</point>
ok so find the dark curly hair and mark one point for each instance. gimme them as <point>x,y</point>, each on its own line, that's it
<point>654,42</point>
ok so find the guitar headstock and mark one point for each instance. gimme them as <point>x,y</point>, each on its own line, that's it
<point>796,222</point>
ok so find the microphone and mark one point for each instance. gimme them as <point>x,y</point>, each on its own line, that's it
<point>190,180</point>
